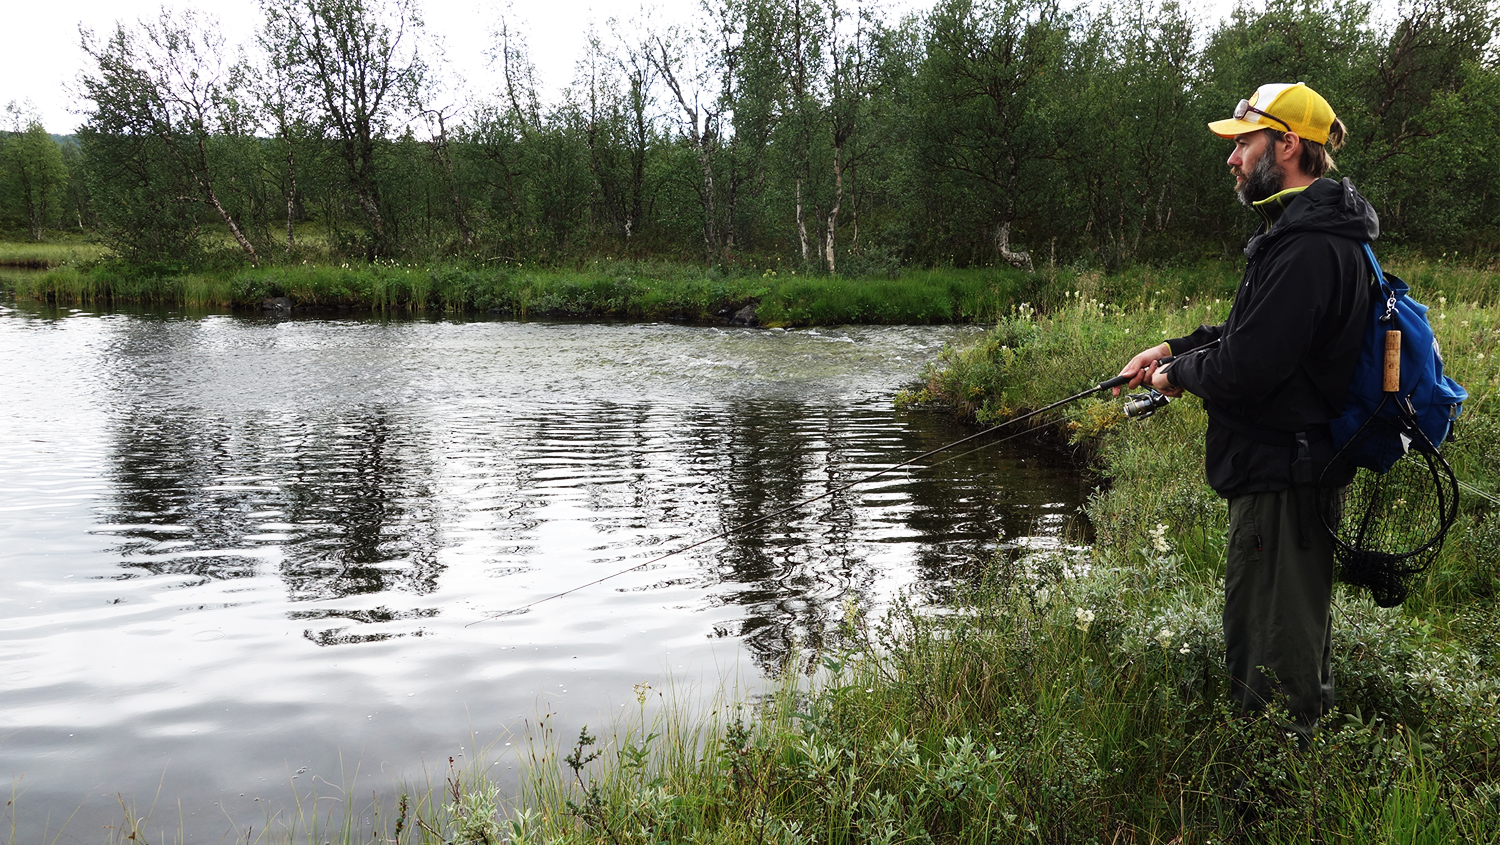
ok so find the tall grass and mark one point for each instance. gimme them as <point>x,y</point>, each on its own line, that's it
<point>30,254</point>
<point>620,290</point>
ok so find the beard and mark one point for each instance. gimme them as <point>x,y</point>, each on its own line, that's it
<point>1264,180</point>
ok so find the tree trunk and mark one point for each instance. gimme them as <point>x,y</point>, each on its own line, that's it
<point>710,231</point>
<point>802,225</point>
<point>854,210</point>
<point>200,172</point>
<point>234,228</point>
<point>359,155</point>
<point>29,198</point>
<point>1021,260</point>
<point>459,218</point>
<point>370,205</point>
<point>833,213</point>
<point>291,197</point>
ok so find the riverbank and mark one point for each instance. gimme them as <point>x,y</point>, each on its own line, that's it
<point>618,290</point>
<point>1083,700</point>
<point>1077,698</point>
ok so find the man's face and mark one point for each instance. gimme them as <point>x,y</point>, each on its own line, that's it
<point>1253,163</point>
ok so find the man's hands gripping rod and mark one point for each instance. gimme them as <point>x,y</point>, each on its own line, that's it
<point>1150,367</point>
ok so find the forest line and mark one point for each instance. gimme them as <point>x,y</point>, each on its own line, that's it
<point>813,134</point>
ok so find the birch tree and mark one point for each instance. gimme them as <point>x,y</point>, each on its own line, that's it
<point>171,80</point>
<point>854,58</point>
<point>286,98</point>
<point>700,117</point>
<point>361,60</point>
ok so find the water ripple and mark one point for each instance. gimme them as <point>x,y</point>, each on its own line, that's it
<point>270,541</point>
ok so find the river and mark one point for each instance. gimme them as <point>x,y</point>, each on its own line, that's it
<point>246,559</point>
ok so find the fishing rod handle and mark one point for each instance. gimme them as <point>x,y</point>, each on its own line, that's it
<point>1392,361</point>
<point>1121,381</point>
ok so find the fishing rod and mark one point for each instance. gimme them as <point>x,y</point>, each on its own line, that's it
<point>1136,406</point>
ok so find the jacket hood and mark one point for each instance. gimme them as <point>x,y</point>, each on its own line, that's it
<point>1335,208</point>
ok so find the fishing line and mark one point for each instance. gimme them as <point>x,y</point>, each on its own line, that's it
<point>1117,381</point>
<point>1476,491</point>
<point>1006,439</point>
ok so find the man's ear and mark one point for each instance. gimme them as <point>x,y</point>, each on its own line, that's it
<point>1291,150</point>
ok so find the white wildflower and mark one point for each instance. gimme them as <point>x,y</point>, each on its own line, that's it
<point>1159,539</point>
<point>1083,616</point>
<point>1164,636</point>
<point>1185,649</point>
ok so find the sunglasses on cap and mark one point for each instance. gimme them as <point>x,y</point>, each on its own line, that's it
<point>1245,108</point>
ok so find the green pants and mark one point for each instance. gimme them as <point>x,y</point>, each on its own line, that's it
<point>1277,587</point>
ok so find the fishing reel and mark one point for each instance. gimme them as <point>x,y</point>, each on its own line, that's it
<point>1145,404</point>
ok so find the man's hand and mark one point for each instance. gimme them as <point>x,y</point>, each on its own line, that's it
<point>1159,381</point>
<point>1143,366</point>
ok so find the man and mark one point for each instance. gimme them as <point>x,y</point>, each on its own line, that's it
<point>1277,375</point>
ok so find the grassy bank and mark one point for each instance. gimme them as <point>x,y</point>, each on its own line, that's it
<point>615,290</point>
<point>49,254</point>
<point>1083,699</point>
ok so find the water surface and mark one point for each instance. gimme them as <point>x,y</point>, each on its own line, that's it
<point>243,556</point>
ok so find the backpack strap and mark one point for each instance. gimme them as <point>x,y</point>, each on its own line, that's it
<point>1385,289</point>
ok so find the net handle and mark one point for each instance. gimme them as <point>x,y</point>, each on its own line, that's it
<point>1392,361</point>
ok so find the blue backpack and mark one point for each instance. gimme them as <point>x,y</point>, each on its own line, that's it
<point>1427,398</point>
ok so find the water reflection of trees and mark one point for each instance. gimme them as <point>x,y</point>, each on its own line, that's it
<point>792,574</point>
<point>360,490</point>
<point>343,500</point>
<point>347,503</point>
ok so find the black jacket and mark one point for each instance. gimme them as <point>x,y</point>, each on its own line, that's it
<point>1288,349</point>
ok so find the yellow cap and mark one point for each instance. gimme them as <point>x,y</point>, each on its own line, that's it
<point>1287,108</point>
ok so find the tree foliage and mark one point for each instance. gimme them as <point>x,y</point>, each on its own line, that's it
<point>165,108</point>
<point>823,134</point>
<point>35,174</point>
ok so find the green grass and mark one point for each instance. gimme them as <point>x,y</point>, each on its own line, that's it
<point>48,254</point>
<point>614,290</point>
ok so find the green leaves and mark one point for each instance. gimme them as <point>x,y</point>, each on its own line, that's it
<point>824,134</point>
<point>33,175</point>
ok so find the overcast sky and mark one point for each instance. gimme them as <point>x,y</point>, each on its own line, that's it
<point>41,57</point>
